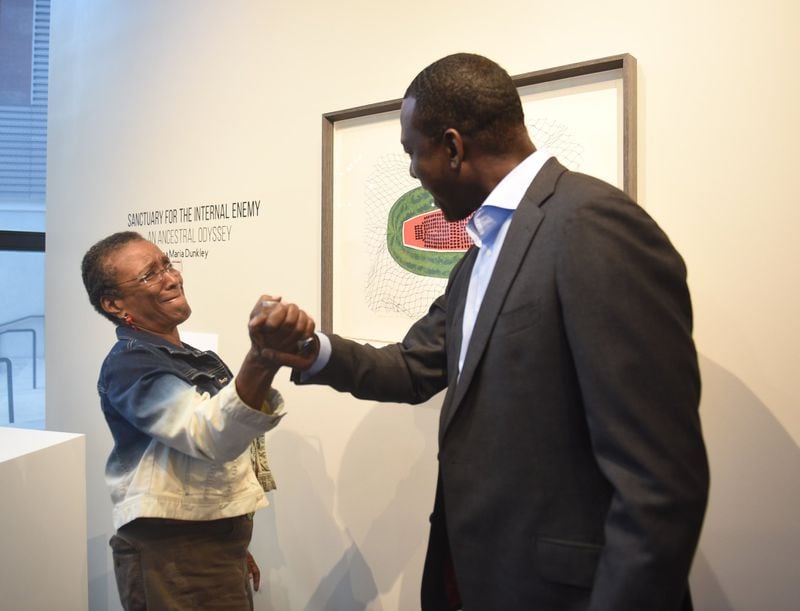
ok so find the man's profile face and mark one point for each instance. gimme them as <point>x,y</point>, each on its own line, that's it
<point>430,163</point>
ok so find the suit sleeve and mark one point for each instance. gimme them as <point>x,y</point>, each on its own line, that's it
<point>628,320</point>
<point>411,371</point>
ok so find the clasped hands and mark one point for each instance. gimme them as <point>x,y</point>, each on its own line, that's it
<point>282,334</point>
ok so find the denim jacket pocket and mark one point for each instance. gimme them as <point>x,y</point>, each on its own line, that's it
<point>211,378</point>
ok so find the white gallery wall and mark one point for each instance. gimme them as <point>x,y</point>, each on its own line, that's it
<point>167,105</point>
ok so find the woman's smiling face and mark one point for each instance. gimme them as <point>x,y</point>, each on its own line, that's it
<point>151,291</point>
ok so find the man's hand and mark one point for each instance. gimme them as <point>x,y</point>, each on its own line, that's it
<point>280,334</point>
<point>283,334</point>
<point>306,355</point>
<point>278,325</point>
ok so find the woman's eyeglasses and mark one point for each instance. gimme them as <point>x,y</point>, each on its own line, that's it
<point>155,277</point>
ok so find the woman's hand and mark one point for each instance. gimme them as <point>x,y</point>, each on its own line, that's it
<point>282,333</point>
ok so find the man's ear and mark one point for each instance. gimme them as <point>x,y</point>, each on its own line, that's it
<point>454,144</point>
<point>109,304</point>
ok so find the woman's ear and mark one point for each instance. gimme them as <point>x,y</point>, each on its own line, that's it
<point>109,304</point>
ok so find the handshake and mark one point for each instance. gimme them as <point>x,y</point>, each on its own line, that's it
<point>283,334</point>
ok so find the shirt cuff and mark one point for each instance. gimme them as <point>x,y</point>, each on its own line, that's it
<point>272,410</point>
<point>273,406</point>
<point>322,358</point>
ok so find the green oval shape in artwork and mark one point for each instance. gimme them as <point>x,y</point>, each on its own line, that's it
<point>431,263</point>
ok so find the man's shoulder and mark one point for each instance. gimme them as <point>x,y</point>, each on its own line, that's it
<point>576,191</point>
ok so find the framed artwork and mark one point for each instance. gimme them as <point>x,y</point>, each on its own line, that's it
<point>386,249</point>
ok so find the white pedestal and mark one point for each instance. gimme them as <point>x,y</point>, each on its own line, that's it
<point>42,521</point>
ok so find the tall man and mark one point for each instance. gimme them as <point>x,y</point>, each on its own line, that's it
<point>572,469</point>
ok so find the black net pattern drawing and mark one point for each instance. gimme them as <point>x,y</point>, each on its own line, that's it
<point>557,138</point>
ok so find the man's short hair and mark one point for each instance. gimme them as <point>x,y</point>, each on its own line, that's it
<point>471,94</point>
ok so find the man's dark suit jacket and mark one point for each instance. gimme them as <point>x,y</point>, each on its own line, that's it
<point>572,469</point>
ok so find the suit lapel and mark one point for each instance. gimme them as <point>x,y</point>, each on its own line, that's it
<point>521,232</point>
<point>457,296</point>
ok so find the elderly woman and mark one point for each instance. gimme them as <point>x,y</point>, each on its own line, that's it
<point>188,467</point>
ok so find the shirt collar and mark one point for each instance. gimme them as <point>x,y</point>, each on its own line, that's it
<point>505,198</point>
<point>127,333</point>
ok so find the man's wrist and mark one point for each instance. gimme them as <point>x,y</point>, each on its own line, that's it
<point>323,356</point>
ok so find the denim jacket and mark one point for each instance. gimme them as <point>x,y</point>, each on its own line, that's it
<point>182,435</point>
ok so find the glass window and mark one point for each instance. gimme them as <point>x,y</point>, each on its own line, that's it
<point>16,39</point>
<point>24,51</point>
<point>22,339</point>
